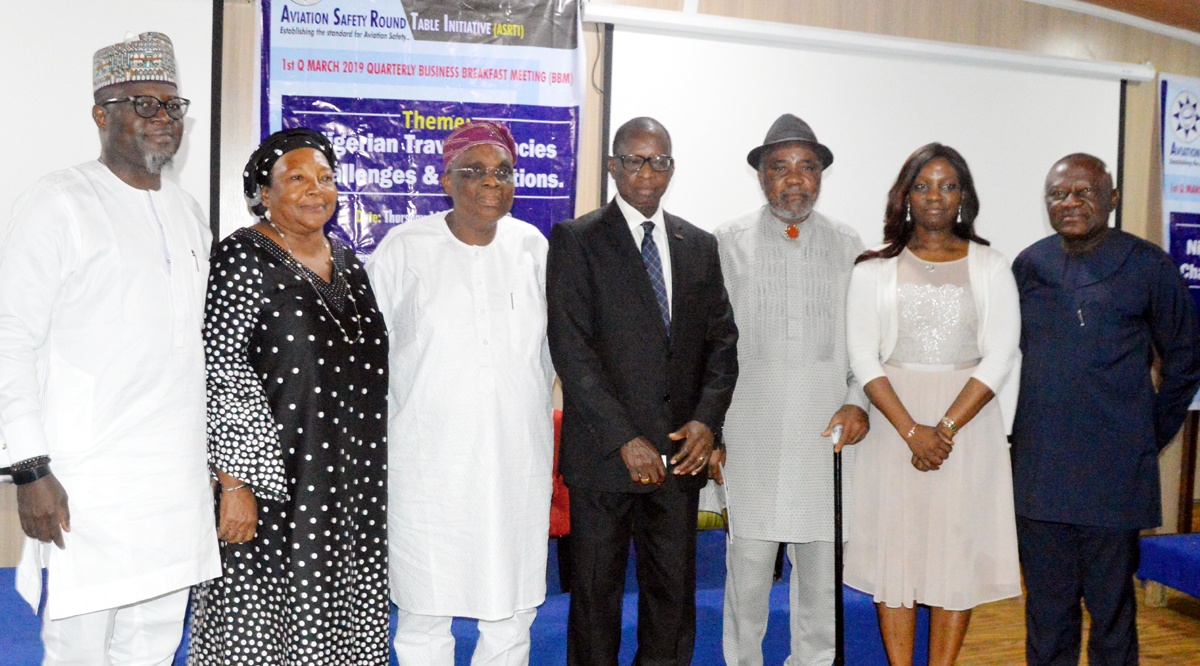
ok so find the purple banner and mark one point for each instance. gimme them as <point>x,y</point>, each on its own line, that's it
<point>390,159</point>
<point>1185,250</point>
<point>387,81</point>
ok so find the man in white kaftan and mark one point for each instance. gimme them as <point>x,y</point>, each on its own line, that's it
<point>470,430</point>
<point>787,269</point>
<point>103,268</point>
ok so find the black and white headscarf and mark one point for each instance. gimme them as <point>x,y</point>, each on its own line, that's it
<point>257,174</point>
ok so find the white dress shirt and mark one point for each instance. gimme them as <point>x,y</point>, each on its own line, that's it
<point>635,219</point>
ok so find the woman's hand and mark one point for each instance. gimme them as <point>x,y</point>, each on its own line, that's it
<point>238,520</point>
<point>928,448</point>
<point>921,465</point>
<point>945,434</point>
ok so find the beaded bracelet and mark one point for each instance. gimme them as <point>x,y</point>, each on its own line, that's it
<point>911,431</point>
<point>30,463</point>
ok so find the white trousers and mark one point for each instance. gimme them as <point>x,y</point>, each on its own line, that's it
<point>143,634</point>
<point>750,565</point>
<point>425,640</point>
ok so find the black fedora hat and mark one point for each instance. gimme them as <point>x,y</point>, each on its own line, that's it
<point>790,128</point>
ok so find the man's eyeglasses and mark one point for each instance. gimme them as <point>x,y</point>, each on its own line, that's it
<point>502,174</point>
<point>147,106</point>
<point>1084,194</point>
<point>659,163</point>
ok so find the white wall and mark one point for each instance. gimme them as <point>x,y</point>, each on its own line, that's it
<point>46,47</point>
<point>718,97</point>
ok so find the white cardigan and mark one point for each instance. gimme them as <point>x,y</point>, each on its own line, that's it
<point>871,315</point>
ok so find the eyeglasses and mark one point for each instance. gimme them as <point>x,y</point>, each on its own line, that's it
<point>147,106</point>
<point>659,163</point>
<point>502,174</point>
<point>1084,194</point>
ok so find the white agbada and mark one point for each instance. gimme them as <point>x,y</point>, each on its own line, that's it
<point>470,430</point>
<point>102,368</point>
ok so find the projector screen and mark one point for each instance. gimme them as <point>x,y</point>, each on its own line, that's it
<point>718,97</point>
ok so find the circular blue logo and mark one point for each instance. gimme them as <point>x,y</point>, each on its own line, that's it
<point>1184,120</point>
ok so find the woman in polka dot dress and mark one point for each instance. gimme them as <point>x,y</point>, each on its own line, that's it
<point>297,418</point>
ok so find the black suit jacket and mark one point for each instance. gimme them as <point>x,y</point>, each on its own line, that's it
<point>622,375</point>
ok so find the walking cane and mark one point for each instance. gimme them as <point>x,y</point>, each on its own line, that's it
<point>839,621</point>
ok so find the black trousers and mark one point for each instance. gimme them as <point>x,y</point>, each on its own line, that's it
<point>662,525</point>
<point>1063,564</point>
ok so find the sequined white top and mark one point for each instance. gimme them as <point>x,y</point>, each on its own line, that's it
<point>872,315</point>
<point>937,322</point>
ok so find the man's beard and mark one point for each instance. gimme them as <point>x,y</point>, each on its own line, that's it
<point>789,215</point>
<point>156,162</point>
<point>156,157</point>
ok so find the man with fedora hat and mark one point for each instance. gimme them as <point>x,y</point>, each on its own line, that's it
<point>786,268</point>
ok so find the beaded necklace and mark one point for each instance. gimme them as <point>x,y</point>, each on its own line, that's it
<point>299,269</point>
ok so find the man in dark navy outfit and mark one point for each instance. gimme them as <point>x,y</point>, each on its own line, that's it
<point>1097,305</point>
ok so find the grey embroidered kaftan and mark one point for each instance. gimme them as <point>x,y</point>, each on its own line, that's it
<point>789,300</point>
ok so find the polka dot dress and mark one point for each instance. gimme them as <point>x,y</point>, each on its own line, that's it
<point>300,412</point>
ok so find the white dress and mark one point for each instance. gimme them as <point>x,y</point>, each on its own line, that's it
<point>945,538</point>
<point>470,430</point>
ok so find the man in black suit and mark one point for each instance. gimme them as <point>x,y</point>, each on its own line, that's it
<point>643,339</point>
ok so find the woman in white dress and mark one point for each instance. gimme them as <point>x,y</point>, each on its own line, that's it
<point>933,326</point>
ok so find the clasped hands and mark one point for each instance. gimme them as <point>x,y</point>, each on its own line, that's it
<point>645,464</point>
<point>930,446</point>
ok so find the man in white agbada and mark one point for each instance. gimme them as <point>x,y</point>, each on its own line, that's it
<point>787,269</point>
<point>103,269</point>
<point>470,431</point>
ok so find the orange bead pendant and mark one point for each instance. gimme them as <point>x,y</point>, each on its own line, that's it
<point>792,231</point>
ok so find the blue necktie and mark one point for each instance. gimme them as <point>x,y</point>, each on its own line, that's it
<point>653,264</point>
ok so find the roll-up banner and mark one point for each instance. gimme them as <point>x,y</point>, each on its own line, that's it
<point>1179,104</point>
<point>388,80</point>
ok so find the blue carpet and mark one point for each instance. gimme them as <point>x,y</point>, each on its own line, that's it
<point>21,646</point>
<point>1172,560</point>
